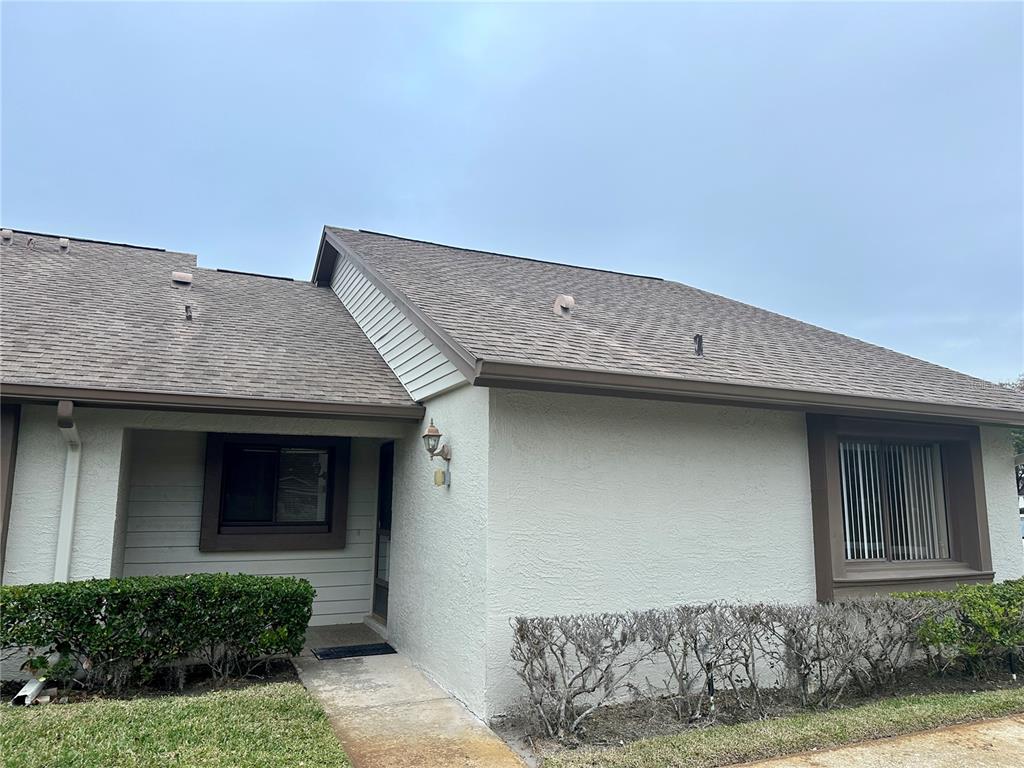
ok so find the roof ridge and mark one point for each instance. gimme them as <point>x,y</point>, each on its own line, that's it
<point>501,255</point>
<point>249,274</point>
<point>97,242</point>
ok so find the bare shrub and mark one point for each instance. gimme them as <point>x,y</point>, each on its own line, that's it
<point>813,646</point>
<point>673,633</point>
<point>745,630</point>
<point>885,632</point>
<point>573,664</point>
<point>714,651</point>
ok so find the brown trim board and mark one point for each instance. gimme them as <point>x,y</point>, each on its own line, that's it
<point>586,381</point>
<point>517,375</point>
<point>215,403</point>
<point>213,537</point>
<point>970,558</point>
<point>461,357</point>
<point>323,267</point>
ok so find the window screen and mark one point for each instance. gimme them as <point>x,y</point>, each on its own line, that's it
<point>893,501</point>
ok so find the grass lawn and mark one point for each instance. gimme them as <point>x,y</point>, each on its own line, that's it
<point>276,724</point>
<point>722,745</point>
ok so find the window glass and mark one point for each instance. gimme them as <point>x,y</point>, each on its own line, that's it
<point>893,501</point>
<point>302,486</point>
<point>267,485</point>
<point>250,475</point>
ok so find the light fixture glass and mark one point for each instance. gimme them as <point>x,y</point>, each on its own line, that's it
<point>432,438</point>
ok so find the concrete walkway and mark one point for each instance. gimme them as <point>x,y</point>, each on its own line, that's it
<point>387,714</point>
<point>988,744</point>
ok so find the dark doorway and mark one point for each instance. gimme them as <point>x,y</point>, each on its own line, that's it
<point>382,558</point>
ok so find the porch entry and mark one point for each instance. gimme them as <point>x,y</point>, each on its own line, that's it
<point>382,551</point>
<point>169,500</point>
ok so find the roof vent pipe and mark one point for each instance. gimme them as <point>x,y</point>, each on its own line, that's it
<point>564,305</point>
<point>698,345</point>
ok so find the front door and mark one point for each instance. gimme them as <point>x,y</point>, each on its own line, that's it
<point>382,558</point>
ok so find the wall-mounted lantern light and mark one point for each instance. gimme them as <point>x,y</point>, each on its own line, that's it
<point>432,442</point>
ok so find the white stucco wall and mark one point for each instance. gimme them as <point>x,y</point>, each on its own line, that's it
<point>609,504</point>
<point>37,493</point>
<point>437,595</point>
<point>39,476</point>
<point>558,503</point>
<point>1001,501</point>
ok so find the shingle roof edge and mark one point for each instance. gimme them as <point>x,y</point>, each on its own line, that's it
<point>215,403</point>
<point>523,375</point>
<point>462,358</point>
<point>526,375</point>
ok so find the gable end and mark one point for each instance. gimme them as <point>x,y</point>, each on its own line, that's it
<point>420,366</point>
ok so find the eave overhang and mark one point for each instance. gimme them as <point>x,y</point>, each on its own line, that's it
<point>583,381</point>
<point>209,403</point>
<point>531,376</point>
<point>323,267</point>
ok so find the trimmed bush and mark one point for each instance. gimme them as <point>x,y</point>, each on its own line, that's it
<point>981,625</point>
<point>125,630</point>
<point>810,654</point>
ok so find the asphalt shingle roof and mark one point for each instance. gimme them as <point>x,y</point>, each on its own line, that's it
<point>499,308</point>
<point>106,316</point>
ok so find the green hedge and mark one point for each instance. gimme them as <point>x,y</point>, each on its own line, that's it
<point>981,624</point>
<point>125,630</point>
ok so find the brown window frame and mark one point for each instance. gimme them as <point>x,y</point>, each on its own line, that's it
<point>970,557</point>
<point>214,536</point>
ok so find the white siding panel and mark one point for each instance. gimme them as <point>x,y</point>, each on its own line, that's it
<point>165,507</point>
<point>421,367</point>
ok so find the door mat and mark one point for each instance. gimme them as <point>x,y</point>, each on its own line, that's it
<point>349,651</point>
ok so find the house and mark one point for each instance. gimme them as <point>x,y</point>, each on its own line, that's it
<point>600,442</point>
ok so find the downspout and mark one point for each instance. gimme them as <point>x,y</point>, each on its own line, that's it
<point>62,563</point>
<point>65,533</point>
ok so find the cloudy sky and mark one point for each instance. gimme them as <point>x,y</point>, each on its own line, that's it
<point>855,166</point>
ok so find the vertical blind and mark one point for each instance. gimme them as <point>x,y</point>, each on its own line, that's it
<point>893,501</point>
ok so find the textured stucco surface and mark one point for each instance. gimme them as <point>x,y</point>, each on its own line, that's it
<point>559,503</point>
<point>1001,501</point>
<point>39,477</point>
<point>603,504</point>
<point>437,597</point>
<point>36,497</point>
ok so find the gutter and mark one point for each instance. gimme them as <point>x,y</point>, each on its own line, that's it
<point>213,403</point>
<point>69,499</point>
<point>585,381</point>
